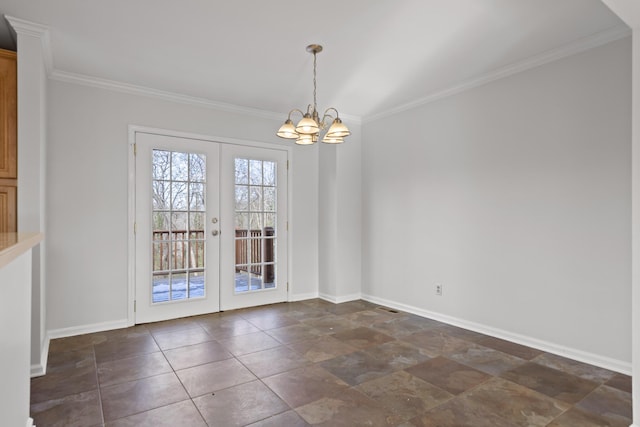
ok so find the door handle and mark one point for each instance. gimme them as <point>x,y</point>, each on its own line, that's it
<point>215,232</point>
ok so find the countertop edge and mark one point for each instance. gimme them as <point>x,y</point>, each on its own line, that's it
<point>24,242</point>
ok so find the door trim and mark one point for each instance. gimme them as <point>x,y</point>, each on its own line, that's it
<point>131,199</point>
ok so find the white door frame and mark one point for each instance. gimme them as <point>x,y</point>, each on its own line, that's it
<point>132,130</point>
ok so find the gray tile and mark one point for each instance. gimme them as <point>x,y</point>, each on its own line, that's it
<point>511,348</point>
<point>169,340</point>
<point>557,384</point>
<point>404,395</point>
<point>486,359</point>
<point>621,382</point>
<point>350,408</point>
<point>273,361</point>
<point>460,412</point>
<point>176,414</point>
<point>384,355</point>
<point>517,404</point>
<point>356,368</point>
<point>304,385</point>
<point>286,419</point>
<point>290,334</point>
<point>123,348</point>
<point>608,402</point>
<point>214,376</point>
<point>362,337</point>
<point>198,354</point>
<point>122,400</point>
<point>249,343</point>
<point>76,410</point>
<point>576,417</point>
<point>133,368</point>
<point>240,405</point>
<point>579,369</point>
<point>65,382</point>
<point>448,375</point>
<point>321,348</point>
<point>173,325</point>
<point>228,326</point>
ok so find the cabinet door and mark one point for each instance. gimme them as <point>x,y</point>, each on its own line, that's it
<point>8,115</point>
<point>8,209</point>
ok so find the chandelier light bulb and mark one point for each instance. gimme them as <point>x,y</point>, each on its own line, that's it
<point>306,139</point>
<point>287,130</point>
<point>307,126</point>
<point>338,129</point>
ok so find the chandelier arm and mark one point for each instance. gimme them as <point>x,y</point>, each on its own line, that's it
<point>293,111</point>
<point>326,113</point>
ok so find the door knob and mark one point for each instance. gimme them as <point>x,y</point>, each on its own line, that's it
<point>215,232</point>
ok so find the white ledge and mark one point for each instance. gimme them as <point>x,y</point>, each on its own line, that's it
<point>12,245</point>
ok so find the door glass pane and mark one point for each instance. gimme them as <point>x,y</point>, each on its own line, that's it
<point>255,172</point>
<point>255,221</point>
<point>242,171</point>
<point>178,218</point>
<point>196,197</point>
<point>242,198</point>
<point>197,167</point>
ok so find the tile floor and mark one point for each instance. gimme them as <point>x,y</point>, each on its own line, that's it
<point>317,363</point>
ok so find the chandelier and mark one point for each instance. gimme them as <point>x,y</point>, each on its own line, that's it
<point>308,129</point>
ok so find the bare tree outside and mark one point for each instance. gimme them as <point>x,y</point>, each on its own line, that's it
<point>255,221</point>
<point>178,197</point>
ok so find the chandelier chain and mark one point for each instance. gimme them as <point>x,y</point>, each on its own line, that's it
<point>314,82</point>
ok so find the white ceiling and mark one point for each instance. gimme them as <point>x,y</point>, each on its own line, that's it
<point>378,54</point>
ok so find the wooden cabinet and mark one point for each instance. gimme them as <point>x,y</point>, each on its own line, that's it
<point>8,141</point>
<point>8,207</point>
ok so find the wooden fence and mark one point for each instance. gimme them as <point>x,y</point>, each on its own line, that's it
<point>250,245</point>
<point>252,242</point>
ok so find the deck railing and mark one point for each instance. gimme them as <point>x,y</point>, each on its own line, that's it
<point>253,248</point>
<point>184,255</point>
<point>257,244</point>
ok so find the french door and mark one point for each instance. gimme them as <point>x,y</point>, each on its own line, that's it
<point>210,227</point>
<point>255,242</point>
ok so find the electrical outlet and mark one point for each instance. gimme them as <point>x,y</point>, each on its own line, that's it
<point>439,289</point>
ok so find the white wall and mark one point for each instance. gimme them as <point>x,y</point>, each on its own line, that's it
<point>348,245</point>
<point>327,222</point>
<point>516,196</point>
<point>15,323</point>
<point>87,186</point>
<point>629,11</point>
<point>32,117</point>
<point>340,211</point>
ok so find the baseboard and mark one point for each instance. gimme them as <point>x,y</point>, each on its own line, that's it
<point>302,297</point>
<point>571,353</point>
<point>87,329</point>
<point>40,369</point>
<point>340,299</point>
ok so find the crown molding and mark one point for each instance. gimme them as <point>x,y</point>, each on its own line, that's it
<point>581,45</point>
<point>86,80</point>
<point>32,29</point>
<point>112,85</point>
